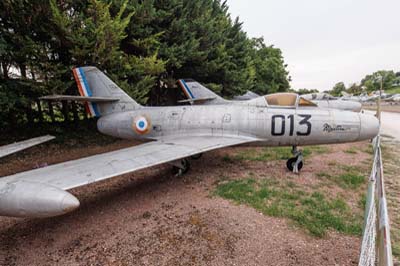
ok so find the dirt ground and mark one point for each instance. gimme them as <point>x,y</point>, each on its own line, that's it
<point>151,217</point>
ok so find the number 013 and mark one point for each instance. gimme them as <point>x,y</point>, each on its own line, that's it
<point>281,131</point>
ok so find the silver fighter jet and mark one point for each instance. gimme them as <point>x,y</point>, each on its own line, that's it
<point>196,93</point>
<point>176,134</point>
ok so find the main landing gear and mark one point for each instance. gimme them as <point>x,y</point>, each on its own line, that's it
<point>295,163</point>
<point>182,166</point>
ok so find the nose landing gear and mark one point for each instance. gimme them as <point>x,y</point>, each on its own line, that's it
<point>295,163</point>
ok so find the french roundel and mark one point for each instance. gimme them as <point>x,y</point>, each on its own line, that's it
<point>141,125</point>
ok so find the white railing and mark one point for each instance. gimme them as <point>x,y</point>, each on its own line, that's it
<point>376,247</point>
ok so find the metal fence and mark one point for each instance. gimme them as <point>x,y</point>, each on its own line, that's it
<point>376,247</point>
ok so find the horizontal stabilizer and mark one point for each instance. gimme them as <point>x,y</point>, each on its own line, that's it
<point>78,98</point>
<point>197,100</point>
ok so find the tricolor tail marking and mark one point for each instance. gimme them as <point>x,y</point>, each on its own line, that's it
<point>84,90</point>
<point>186,89</point>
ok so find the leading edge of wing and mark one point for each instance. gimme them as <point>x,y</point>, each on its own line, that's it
<point>22,145</point>
<point>99,167</point>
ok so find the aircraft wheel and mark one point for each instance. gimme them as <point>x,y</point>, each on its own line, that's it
<point>186,165</point>
<point>196,156</point>
<point>183,169</point>
<point>291,162</point>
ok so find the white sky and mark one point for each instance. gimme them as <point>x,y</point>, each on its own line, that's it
<point>326,41</point>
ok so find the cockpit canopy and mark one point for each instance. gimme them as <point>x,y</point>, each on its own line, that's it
<point>281,99</point>
<point>287,100</point>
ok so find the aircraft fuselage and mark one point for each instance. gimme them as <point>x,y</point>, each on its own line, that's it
<point>271,125</point>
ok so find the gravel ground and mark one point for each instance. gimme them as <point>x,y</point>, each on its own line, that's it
<point>151,217</point>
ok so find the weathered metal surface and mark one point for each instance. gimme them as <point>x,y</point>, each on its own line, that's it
<point>95,168</point>
<point>26,198</point>
<point>22,145</point>
<point>78,98</point>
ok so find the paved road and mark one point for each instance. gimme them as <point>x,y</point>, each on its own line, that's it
<point>390,124</point>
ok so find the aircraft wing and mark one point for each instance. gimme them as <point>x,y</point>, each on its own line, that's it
<point>24,192</point>
<point>22,145</point>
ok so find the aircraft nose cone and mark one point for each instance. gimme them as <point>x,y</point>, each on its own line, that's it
<point>369,126</point>
<point>69,203</point>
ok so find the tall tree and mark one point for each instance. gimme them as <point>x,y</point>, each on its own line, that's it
<point>372,82</point>
<point>143,45</point>
<point>337,89</point>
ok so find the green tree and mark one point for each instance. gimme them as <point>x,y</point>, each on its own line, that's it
<point>306,91</point>
<point>372,82</point>
<point>270,70</point>
<point>94,37</point>
<point>143,45</point>
<point>337,89</point>
<point>354,89</point>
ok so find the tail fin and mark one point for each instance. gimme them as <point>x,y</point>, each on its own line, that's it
<point>94,83</point>
<point>194,91</point>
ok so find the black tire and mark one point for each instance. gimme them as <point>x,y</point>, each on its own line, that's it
<point>186,166</point>
<point>175,170</point>
<point>184,170</point>
<point>290,164</point>
<point>196,156</point>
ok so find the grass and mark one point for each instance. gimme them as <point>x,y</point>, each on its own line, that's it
<point>369,149</point>
<point>272,154</point>
<point>393,90</point>
<point>395,233</point>
<point>352,177</point>
<point>351,150</point>
<point>312,211</point>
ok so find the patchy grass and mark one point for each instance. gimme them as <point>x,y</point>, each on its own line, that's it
<point>393,90</point>
<point>350,177</point>
<point>313,211</point>
<point>369,149</point>
<point>272,154</point>
<point>351,150</point>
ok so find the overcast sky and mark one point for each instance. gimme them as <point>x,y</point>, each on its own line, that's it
<point>326,41</point>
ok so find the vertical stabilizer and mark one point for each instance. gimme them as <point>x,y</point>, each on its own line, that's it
<point>94,83</point>
<point>196,92</point>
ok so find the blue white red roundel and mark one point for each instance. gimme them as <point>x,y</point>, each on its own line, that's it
<point>141,125</point>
